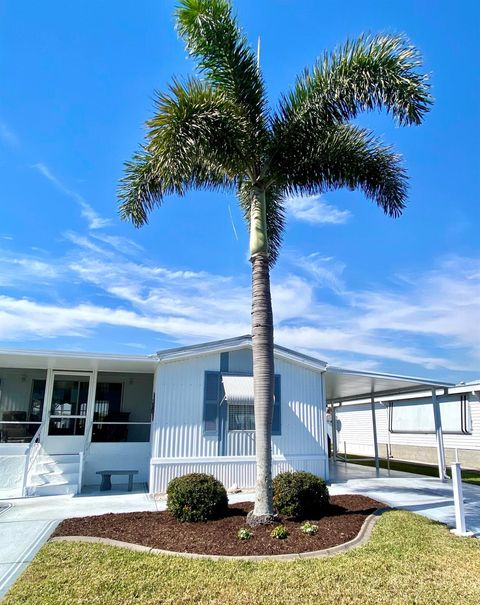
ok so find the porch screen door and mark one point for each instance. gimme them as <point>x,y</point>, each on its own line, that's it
<point>68,410</point>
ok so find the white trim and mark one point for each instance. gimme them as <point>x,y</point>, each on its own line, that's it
<point>412,379</point>
<point>233,344</point>
<point>212,459</point>
<point>76,355</point>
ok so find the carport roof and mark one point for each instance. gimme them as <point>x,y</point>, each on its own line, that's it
<point>350,385</point>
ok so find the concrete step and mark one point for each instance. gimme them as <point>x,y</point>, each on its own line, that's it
<point>58,458</point>
<point>54,490</point>
<point>54,479</point>
<point>54,475</point>
<point>56,467</point>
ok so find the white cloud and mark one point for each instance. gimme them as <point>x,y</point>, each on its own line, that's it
<point>312,209</point>
<point>430,320</point>
<point>94,220</point>
<point>25,270</point>
<point>121,244</point>
<point>325,271</point>
<point>8,136</point>
<point>27,319</point>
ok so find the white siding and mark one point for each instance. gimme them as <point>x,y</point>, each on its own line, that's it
<point>302,411</point>
<point>178,422</point>
<point>229,470</point>
<point>355,424</point>
<point>179,445</point>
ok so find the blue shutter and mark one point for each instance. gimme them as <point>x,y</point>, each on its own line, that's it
<point>210,403</point>
<point>277,409</point>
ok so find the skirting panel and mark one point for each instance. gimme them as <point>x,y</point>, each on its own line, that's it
<point>240,471</point>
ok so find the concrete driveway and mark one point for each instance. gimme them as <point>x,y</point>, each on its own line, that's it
<point>417,493</point>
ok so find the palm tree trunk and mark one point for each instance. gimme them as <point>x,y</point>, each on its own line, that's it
<point>263,363</point>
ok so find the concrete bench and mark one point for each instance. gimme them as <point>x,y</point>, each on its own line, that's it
<point>107,479</point>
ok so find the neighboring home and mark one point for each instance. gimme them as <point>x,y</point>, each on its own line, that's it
<point>66,416</point>
<point>405,426</point>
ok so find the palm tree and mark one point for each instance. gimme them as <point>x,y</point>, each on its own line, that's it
<point>216,131</point>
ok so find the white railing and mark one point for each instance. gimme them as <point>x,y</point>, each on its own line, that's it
<point>31,456</point>
<point>88,437</point>
<point>345,457</point>
<point>80,471</point>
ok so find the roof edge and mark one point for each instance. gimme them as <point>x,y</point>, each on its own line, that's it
<point>238,342</point>
<point>413,379</point>
<point>74,354</point>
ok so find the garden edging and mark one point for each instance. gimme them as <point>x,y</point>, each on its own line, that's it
<point>360,539</point>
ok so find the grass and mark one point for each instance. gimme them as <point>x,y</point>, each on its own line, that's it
<point>408,560</point>
<point>468,476</point>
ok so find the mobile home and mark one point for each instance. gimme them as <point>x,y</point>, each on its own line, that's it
<point>65,417</point>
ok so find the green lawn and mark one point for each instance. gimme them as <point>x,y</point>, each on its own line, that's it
<point>415,467</point>
<point>408,560</point>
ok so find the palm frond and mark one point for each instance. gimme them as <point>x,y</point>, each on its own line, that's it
<point>195,125</point>
<point>275,208</point>
<point>223,54</point>
<point>196,139</point>
<point>140,190</point>
<point>372,72</point>
<point>345,156</point>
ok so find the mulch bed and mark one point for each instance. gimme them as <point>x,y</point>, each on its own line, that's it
<point>341,523</point>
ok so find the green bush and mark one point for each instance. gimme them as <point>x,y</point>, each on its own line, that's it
<point>244,534</point>
<point>299,495</point>
<point>196,497</point>
<point>280,532</point>
<point>309,528</point>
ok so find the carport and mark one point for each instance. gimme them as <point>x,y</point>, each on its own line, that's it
<point>359,387</point>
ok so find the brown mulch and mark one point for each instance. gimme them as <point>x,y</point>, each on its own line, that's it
<point>341,522</point>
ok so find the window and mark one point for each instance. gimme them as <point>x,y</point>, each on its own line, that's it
<point>36,400</point>
<point>122,411</point>
<point>21,404</point>
<point>416,415</point>
<point>241,417</point>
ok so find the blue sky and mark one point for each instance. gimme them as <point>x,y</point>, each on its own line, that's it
<point>353,286</point>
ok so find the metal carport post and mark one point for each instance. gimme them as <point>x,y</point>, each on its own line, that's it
<point>439,436</point>
<point>375,438</point>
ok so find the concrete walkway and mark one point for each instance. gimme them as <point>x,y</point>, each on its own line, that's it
<point>26,524</point>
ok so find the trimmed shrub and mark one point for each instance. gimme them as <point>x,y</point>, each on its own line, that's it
<point>299,495</point>
<point>196,497</point>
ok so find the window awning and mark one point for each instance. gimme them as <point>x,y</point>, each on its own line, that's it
<point>238,389</point>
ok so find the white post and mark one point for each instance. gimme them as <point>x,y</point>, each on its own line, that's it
<point>375,439</point>
<point>345,452</point>
<point>460,527</point>
<point>80,472</point>
<point>334,434</point>
<point>324,431</point>
<point>439,435</point>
